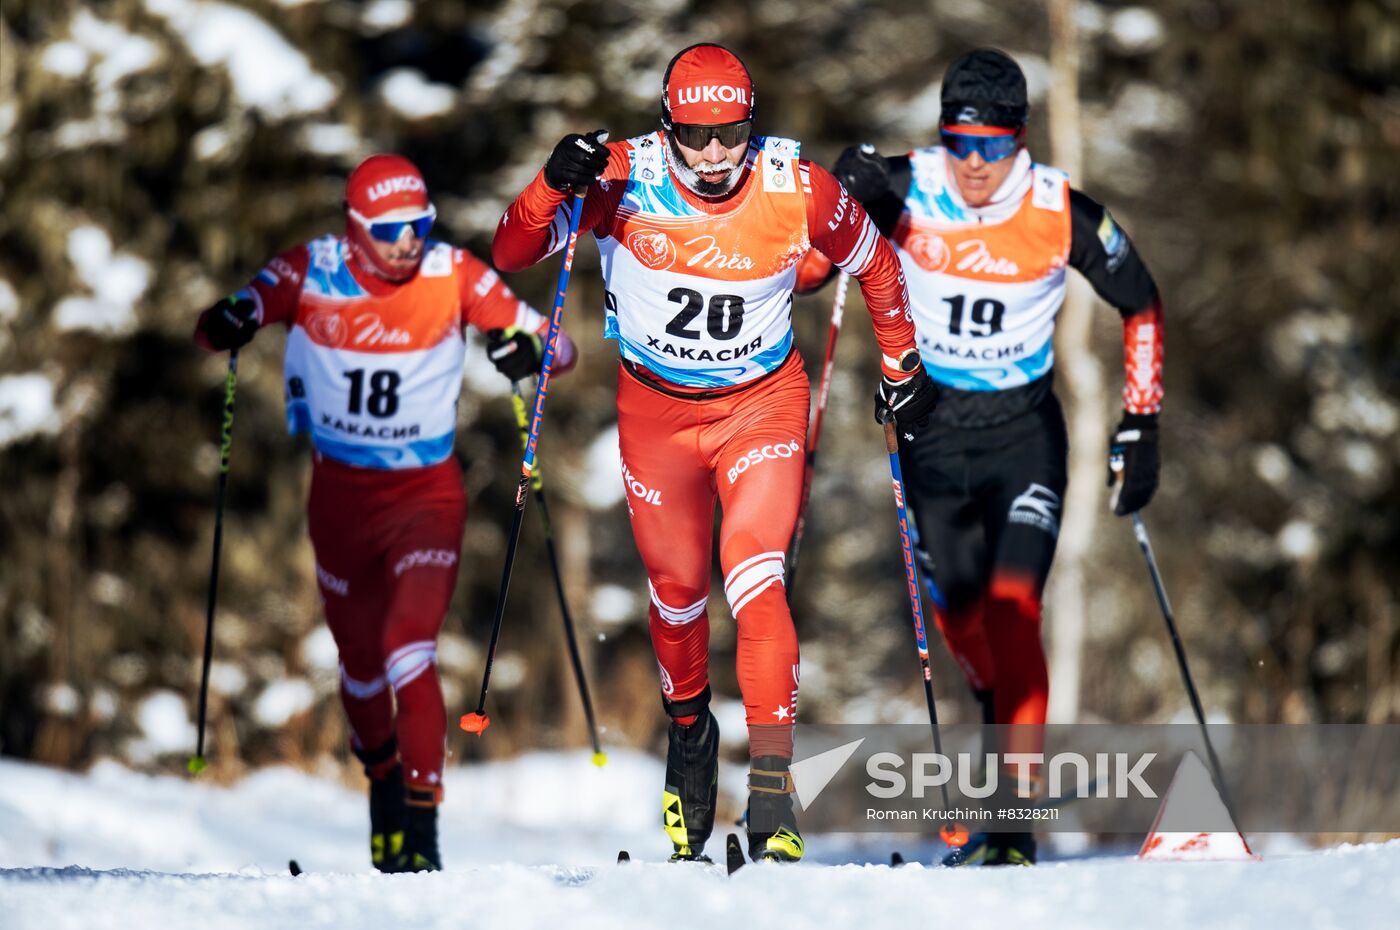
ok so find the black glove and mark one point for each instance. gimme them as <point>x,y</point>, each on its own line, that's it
<point>863,172</point>
<point>577,161</point>
<point>517,354</point>
<point>910,400</point>
<point>230,323</point>
<point>1133,463</point>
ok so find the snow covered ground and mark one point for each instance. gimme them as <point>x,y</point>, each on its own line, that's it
<point>531,843</point>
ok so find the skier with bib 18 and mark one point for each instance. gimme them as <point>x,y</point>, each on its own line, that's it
<point>985,236</point>
<point>373,373</point>
<point>701,226</point>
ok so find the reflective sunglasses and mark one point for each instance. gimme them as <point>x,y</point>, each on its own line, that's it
<point>392,230</point>
<point>1003,143</point>
<point>697,137</point>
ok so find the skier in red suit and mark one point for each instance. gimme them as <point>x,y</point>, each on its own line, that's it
<point>701,226</point>
<point>375,351</point>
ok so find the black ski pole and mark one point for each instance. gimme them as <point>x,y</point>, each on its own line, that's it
<point>954,834</point>
<point>1218,773</point>
<point>197,763</point>
<point>522,420</point>
<point>477,721</point>
<point>838,306</point>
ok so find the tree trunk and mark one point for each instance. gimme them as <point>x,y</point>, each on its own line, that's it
<point>1081,377</point>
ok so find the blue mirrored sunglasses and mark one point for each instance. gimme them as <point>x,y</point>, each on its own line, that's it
<point>992,148</point>
<point>392,230</point>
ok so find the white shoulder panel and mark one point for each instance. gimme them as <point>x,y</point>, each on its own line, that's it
<point>648,161</point>
<point>1048,188</point>
<point>779,157</point>
<point>437,261</point>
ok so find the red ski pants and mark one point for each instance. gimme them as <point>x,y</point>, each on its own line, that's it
<point>387,545</point>
<point>678,456</point>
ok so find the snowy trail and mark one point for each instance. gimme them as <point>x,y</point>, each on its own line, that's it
<point>167,853</point>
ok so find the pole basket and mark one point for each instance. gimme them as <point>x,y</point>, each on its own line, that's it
<point>955,835</point>
<point>475,723</point>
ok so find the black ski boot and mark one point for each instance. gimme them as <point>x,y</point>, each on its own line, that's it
<point>692,773</point>
<point>386,806</point>
<point>772,825</point>
<point>420,842</point>
<point>994,849</point>
<point>386,821</point>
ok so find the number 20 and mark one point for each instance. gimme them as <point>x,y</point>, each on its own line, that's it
<point>723,321</point>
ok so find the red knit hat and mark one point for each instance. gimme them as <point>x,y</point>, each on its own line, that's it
<point>385,184</point>
<point>706,85</point>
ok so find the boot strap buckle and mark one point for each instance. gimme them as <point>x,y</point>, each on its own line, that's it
<point>771,782</point>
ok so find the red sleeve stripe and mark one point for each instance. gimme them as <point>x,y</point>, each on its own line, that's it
<point>529,319</point>
<point>558,230</point>
<point>1142,360</point>
<point>859,259</point>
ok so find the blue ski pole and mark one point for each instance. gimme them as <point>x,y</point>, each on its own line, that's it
<point>954,834</point>
<point>477,721</point>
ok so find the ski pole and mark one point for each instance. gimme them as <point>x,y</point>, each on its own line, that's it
<point>956,834</point>
<point>197,763</point>
<point>477,720</point>
<point>522,420</point>
<point>838,306</point>
<point>1145,544</point>
<point>934,591</point>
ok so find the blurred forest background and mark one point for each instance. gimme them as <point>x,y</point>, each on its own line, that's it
<point>153,153</point>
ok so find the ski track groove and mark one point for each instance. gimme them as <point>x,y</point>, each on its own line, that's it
<point>165,853</point>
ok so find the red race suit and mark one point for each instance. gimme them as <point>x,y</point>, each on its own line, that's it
<point>374,373</point>
<point>712,399</point>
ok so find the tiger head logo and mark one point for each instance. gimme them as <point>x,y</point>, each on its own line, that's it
<point>929,252</point>
<point>653,249</point>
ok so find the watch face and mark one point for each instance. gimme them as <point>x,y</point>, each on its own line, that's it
<point>909,360</point>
